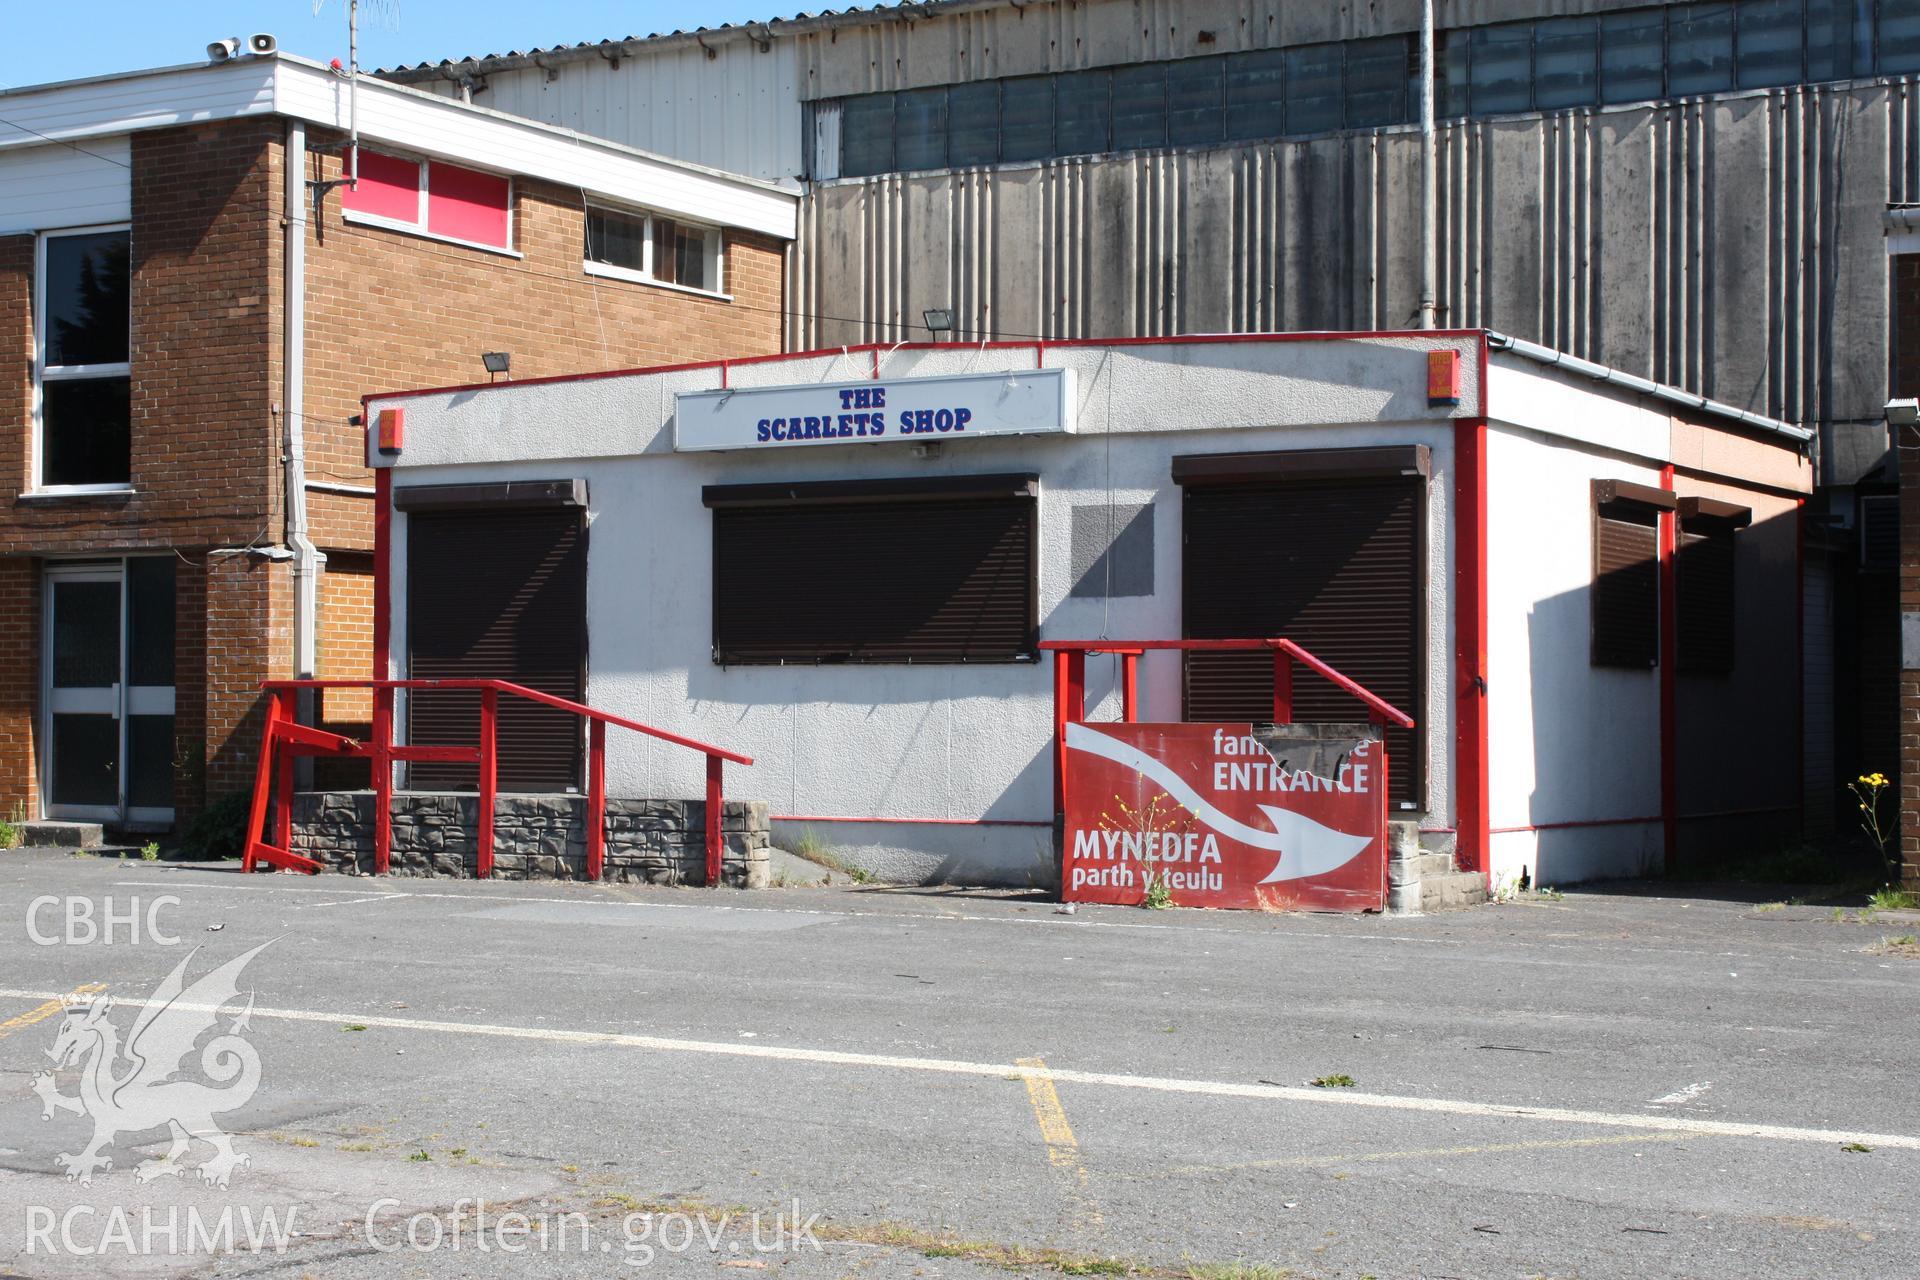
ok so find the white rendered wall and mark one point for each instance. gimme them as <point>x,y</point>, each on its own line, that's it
<point>1567,742</point>
<point>947,742</point>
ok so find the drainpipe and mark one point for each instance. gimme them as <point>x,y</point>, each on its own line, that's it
<point>306,558</point>
<point>1429,220</point>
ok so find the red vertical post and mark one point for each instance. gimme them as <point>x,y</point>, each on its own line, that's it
<point>1282,687</point>
<point>262,783</point>
<point>489,781</point>
<point>1130,687</point>
<point>596,799</point>
<point>1059,732</point>
<point>714,800</point>
<point>283,793</point>
<point>1669,682</point>
<point>1074,705</point>
<point>382,572</point>
<point>1474,836</point>
<point>382,779</point>
<point>1386,839</point>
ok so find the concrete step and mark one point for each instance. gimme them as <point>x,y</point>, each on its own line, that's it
<point>62,835</point>
<point>1419,867</point>
<point>1453,890</point>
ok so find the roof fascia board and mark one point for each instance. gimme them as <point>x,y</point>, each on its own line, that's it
<point>103,106</point>
<point>413,120</point>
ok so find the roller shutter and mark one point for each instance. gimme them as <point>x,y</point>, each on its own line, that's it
<point>498,594</point>
<point>1626,586</point>
<point>1332,565</point>
<point>889,573</point>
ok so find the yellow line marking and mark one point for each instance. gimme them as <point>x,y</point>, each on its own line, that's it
<point>48,1009</point>
<point>1427,1153</point>
<point>1063,1149</point>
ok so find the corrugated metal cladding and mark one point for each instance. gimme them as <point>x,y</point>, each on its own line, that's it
<point>739,111</point>
<point>1729,246</point>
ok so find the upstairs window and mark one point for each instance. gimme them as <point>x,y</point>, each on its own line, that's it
<point>83,398</point>
<point>433,198</point>
<point>652,249</point>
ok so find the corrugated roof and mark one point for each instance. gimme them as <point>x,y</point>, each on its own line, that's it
<point>901,11</point>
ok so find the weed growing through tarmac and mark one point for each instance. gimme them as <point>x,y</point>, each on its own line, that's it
<point>420,1157</point>
<point>1237,1271</point>
<point>1858,1148</point>
<point>150,851</point>
<point>1892,899</point>
<point>1338,1081</point>
<point>355,1026</point>
<point>1907,946</point>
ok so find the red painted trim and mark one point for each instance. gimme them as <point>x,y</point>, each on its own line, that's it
<point>382,573</point>
<point>723,375</point>
<point>489,781</point>
<point>1471,788</point>
<point>715,800</point>
<point>1669,683</point>
<point>1079,649</point>
<point>917,822</point>
<point>597,800</point>
<point>876,348</point>
<point>1130,687</point>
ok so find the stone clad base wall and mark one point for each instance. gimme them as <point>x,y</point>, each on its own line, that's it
<point>536,837</point>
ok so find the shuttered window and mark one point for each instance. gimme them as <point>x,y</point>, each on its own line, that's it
<point>1626,574</point>
<point>498,594</point>
<point>938,571</point>
<point>1330,563</point>
<point>1704,584</point>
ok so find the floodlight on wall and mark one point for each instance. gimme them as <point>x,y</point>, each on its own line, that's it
<point>223,50</point>
<point>497,363</point>
<point>1903,413</point>
<point>939,320</point>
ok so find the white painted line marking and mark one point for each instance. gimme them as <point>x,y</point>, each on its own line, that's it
<point>1118,1080</point>
<point>1680,1097</point>
<point>348,902</point>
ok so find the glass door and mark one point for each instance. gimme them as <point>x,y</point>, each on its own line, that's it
<point>108,733</point>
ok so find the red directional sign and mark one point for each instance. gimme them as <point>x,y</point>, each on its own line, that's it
<point>1272,817</point>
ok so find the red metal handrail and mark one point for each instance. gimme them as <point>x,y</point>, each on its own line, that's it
<point>1070,685</point>
<point>295,739</point>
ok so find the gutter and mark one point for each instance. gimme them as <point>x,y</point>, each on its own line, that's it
<point>306,557</point>
<point>1633,382</point>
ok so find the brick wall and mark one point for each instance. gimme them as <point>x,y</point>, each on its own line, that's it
<point>206,300</point>
<point>19,683</point>
<point>385,310</point>
<point>388,311</point>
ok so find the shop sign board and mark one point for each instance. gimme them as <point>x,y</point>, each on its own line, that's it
<point>874,411</point>
<point>1252,816</point>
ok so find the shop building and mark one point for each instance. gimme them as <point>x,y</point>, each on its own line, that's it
<point>1581,586</point>
<point>200,272</point>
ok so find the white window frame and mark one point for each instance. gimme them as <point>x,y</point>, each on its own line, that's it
<point>43,374</point>
<point>716,254</point>
<point>418,227</point>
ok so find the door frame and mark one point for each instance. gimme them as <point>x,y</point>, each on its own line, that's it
<point>123,701</point>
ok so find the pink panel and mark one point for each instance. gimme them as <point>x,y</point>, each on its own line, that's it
<point>467,205</point>
<point>389,188</point>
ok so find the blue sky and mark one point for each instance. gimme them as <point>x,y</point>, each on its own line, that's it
<point>66,39</point>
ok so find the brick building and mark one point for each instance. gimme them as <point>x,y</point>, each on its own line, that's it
<point>192,300</point>
<point>1904,260</point>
